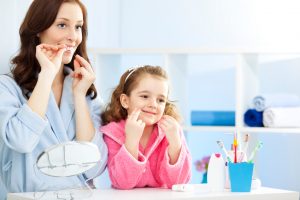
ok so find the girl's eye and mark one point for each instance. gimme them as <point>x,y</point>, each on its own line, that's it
<point>144,96</point>
<point>161,101</point>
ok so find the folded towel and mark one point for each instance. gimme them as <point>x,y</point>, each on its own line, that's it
<point>253,118</point>
<point>288,117</point>
<point>262,102</point>
<point>213,118</point>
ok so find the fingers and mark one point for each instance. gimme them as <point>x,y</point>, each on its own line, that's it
<point>61,52</point>
<point>48,47</point>
<point>140,122</point>
<point>84,63</point>
<point>134,115</point>
<point>167,122</point>
<point>82,68</point>
<point>47,50</point>
<point>51,50</point>
<point>166,119</point>
<point>81,72</point>
<point>76,72</point>
<point>76,65</point>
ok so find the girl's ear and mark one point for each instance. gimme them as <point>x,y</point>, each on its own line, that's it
<point>124,101</point>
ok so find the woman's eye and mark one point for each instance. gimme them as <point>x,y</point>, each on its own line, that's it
<point>61,25</point>
<point>78,27</point>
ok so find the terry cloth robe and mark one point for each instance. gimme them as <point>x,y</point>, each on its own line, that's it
<point>152,168</point>
<point>24,135</point>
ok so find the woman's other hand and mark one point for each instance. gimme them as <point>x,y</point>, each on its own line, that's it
<point>83,75</point>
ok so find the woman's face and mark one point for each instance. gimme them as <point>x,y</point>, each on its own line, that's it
<point>66,30</point>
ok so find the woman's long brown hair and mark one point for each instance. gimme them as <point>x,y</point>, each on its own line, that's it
<point>40,16</point>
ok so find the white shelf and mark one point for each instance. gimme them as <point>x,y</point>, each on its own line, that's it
<point>231,129</point>
<point>225,129</point>
<point>110,51</point>
<point>270,130</point>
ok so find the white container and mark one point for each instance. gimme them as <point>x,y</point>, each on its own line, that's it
<point>216,173</point>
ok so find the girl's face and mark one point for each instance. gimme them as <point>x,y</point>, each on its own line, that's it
<point>66,30</point>
<point>149,97</point>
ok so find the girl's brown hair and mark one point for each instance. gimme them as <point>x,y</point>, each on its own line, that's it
<point>128,81</point>
<point>40,16</point>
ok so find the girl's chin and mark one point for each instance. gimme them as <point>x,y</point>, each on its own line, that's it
<point>149,122</point>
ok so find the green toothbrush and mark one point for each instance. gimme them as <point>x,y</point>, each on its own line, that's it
<point>257,147</point>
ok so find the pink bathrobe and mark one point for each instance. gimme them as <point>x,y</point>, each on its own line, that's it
<point>152,169</point>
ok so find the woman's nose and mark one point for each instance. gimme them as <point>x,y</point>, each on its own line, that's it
<point>72,34</point>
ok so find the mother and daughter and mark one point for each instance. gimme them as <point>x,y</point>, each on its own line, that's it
<point>50,98</point>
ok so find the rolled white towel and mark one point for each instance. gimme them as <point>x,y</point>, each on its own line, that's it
<point>261,102</point>
<point>288,117</point>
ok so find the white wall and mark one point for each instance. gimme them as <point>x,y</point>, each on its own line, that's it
<point>8,35</point>
<point>11,13</point>
<point>210,23</point>
<point>103,23</point>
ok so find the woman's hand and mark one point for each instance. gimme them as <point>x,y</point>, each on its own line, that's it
<point>50,57</point>
<point>83,75</point>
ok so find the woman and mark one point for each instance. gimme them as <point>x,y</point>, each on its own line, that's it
<point>49,97</point>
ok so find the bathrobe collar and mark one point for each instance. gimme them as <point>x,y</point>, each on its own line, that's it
<point>61,117</point>
<point>116,131</point>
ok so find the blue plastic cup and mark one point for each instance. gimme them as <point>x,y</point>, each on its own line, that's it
<point>240,175</point>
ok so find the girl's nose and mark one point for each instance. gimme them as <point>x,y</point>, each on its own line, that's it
<point>153,103</point>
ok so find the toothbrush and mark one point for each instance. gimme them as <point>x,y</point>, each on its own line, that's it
<point>235,145</point>
<point>244,151</point>
<point>221,145</point>
<point>257,147</point>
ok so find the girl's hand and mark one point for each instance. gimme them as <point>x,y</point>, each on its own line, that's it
<point>171,128</point>
<point>50,57</point>
<point>83,75</point>
<point>134,128</point>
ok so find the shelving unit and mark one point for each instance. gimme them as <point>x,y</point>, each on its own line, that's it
<point>106,62</point>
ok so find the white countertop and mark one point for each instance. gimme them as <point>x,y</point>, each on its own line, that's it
<point>200,192</point>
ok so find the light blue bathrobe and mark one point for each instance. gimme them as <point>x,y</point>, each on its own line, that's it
<point>24,135</point>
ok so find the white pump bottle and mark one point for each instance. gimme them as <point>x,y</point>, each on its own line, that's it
<point>216,173</point>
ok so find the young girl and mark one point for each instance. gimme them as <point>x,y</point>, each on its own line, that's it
<point>145,142</point>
